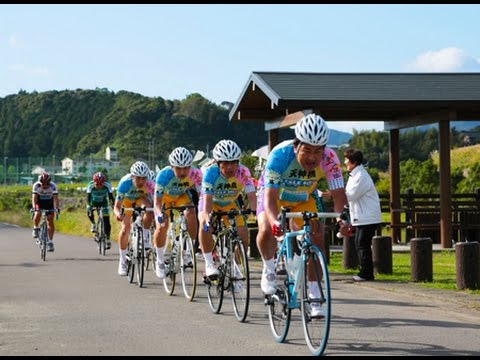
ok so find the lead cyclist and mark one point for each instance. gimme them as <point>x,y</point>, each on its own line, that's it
<point>290,179</point>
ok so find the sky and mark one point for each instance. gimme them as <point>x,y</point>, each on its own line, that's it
<point>172,51</point>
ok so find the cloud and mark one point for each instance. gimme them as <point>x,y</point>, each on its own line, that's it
<point>16,42</point>
<point>29,70</point>
<point>449,59</point>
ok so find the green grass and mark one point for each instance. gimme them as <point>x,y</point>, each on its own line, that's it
<point>444,270</point>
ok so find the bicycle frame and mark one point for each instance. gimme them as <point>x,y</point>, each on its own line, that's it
<point>100,235</point>
<point>43,236</point>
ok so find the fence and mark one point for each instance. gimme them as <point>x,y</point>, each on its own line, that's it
<point>420,217</point>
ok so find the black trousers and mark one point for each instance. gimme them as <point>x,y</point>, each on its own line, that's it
<point>363,244</point>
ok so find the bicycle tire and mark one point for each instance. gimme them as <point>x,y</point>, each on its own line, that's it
<point>131,258</point>
<point>188,266</point>
<point>171,267</point>
<point>215,287</point>
<point>43,241</point>
<point>140,256</point>
<point>101,237</point>
<point>316,329</point>
<point>279,313</point>
<point>239,279</point>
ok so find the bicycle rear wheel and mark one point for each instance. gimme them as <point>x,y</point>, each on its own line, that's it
<point>316,328</point>
<point>279,314</point>
<point>188,266</point>
<point>171,271</point>
<point>240,280</point>
<point>140,257</point>
<point>215,288</point>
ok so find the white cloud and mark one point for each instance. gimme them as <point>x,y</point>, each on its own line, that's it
<point>348,126</point>
<point>29,70</point>
<point>449,59</point>
<point>15,41</point>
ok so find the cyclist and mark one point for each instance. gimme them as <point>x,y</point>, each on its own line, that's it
<point>132,190</point>
<point>223,183</point>
<point>100,194</point>
<point>45,196</point>
<point>172,188</point>
<point>290,178</point>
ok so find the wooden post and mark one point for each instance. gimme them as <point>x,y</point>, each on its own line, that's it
<point>467,265</point>
<point>382,254</point>
<point>421,259</point>
<point>350,256</point>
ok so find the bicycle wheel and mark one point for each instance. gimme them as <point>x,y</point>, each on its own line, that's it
<point>171,263</point>
<point>43,241</point>
<point>140,257</point>
<point>279,313</point>
<point>188,266</point>
<point>316,328</point>
<point>101,237</point>
<point>131,256</point>
<point>240,280</point>
<point>215,287</point>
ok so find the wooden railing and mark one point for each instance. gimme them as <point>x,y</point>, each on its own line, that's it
<point>421,217</point>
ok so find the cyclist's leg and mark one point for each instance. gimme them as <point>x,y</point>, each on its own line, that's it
<point>206,238</point>
<point>123,238</point>
<point>267,246</point>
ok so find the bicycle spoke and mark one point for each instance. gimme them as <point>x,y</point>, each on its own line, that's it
<point>240,280</point>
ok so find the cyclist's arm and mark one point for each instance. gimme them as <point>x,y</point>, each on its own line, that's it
<point>117,209</point>
<point>158,204</point>
<point>208,206</point>
<point>34,200</point>
<point>339,200</point>
<point>89,198</point>
<point>111,198</point>
<point>56,202</point>
<point>252,200</point>
<point>271,206</point>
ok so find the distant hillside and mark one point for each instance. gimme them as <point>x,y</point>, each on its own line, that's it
<point>339,137</point>
<point>458,125</point>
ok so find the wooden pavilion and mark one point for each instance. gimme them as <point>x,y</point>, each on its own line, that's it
<point>400,100</point>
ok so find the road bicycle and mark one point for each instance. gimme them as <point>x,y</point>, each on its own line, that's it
<point>180,253</point>
<point>296,250</point>
<point>99,235</point>
<point>230,256</point>
<point>136,246</point>
<point>43,237</point>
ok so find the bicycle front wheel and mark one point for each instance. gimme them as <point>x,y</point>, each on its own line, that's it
<point>188,267</point>
<point>240,280</point>
<point>140,257</point>
<point>316,304</point>
<point>43,243</point>
<point>101,237</point>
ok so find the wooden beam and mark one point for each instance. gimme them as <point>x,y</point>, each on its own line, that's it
<point>272,139</point>
<point>287,120</point>
<point>417,119</point>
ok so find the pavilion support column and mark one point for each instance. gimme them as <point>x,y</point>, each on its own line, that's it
<point>445,194</point>
<point>395,184</point>
<point>272,139</point>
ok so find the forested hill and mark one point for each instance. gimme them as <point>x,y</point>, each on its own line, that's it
<point>83,122</point>
<point>80,122</point>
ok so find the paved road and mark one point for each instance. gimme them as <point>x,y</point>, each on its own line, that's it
<point>76,304</point>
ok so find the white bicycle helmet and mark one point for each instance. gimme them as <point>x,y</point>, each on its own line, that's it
<point>140,169</point>
<point>180,157</point>
<point>151,175</point>
<point>313,130</point>
<point>226,150</point>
